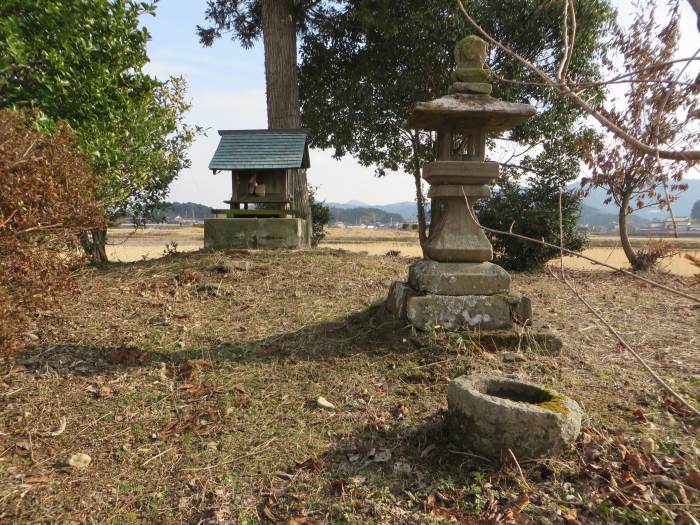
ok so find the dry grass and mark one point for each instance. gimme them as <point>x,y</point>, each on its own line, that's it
<point>193,392</point>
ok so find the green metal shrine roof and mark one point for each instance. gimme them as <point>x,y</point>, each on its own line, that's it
<point>261,149</point>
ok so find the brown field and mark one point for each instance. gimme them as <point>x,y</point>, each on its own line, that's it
<point>127,246</point>
<point>192,386</point>
<point>604,248</point>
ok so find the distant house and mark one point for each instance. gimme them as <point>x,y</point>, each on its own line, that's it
<point>681,223</point>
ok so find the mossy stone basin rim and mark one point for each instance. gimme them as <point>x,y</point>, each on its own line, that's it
<point>488,415</point>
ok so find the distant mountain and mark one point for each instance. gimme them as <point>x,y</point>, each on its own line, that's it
<point>681,207</point>
<point>364,215</point>
<point>595,217</point>
<point>407,209</point>
<point>350,204</point>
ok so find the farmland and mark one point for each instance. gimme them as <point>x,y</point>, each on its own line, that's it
<point>128,245</point>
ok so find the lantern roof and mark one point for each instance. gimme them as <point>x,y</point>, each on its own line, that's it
<point>462,112</point>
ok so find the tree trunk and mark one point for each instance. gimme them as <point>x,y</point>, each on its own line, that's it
<point>420,200</point>
<point>624,237</point>
<point>93,244</point>
<point>282,85</point>
<point>280,41</point>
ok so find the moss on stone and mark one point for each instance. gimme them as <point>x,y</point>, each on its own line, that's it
<point>555,403</point>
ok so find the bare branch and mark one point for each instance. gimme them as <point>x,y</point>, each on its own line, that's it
<point>610,328</point>
<point>681,155</point>
<point>627,347</point>
<point>9,218</point>
<point>582,256</point>
<point>695,4</point>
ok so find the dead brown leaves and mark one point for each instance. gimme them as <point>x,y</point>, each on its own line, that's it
<point>197,424</point>
<point>439,504</point>
<point>634,473</point>
<point>128,356</point>
<point>46,197</point>
<point>302,520</point>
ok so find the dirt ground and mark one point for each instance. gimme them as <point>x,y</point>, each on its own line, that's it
<point>191,383</point>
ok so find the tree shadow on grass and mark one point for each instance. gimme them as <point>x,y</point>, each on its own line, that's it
<point>371,331</point>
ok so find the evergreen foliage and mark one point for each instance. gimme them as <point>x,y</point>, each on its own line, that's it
<point>363,215</point>
<point>81,61</point>
<point>371,62</point>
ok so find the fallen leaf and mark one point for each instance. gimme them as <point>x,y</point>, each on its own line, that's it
<point>402,467</point>
<point>635,462</point>
<point>79,461</point>
<point>521,502</point>
<point>693,479</point>
<point>302,520</point>
<point>379,456</point>
<point>36,479</point>
<point>126,356</point>
<point>570,514</point>
<point>401,412</point>
<point>310,464</point>
<point>269,514</point>
<point>322,402</point>
<point>338,486</point>
<point>648,445</point>
<point>640,416</point>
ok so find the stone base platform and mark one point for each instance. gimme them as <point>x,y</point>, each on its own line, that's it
<point>455,312</point>
<point>268,233</point>
<point>458,278</point>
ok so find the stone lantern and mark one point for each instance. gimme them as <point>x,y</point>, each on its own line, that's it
<point>456,285</point>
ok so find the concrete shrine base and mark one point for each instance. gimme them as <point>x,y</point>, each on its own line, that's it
<point>456,312</point>
<point>267,233</point>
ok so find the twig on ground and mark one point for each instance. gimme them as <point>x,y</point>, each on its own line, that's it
<point>156,456</point>
<point>234,459</point>
<point>470,455</point>
<point>517,465</point>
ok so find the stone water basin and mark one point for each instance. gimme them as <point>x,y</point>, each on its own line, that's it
<point>488,415</point>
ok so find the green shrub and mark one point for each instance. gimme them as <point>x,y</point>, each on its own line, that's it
<point>532,211</point>
<point>321,216</point>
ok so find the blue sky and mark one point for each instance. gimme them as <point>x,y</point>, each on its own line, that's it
<point>227,89</point>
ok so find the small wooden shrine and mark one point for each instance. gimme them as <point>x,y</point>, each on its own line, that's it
<point>268,170</point>
<point>269,203</point>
